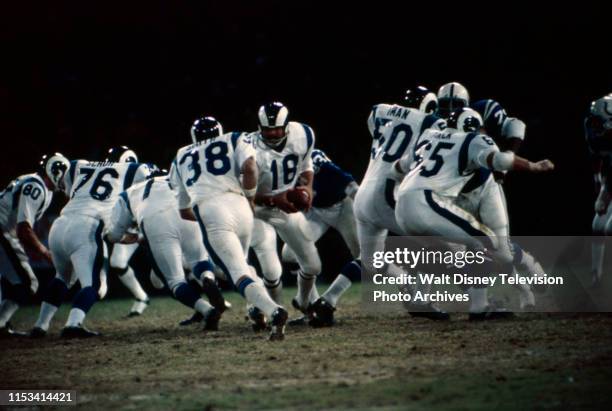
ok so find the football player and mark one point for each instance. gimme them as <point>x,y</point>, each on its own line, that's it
<point>216,179</point>
<point>332,206</point>
<point>152,206</point>
<point>426,197</point>
<point>452,96</point>
<point>121,253</point>
<point>395,129</point>
<point>22,203</point>
<point>598,132</point>
<point>285,165</point>
<point>76,240</point>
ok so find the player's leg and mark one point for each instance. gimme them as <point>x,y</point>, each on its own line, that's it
<point>226,228</point>
<point>263,243</point>
<point>198,262</point>
<point>292,232</point>
<point>18,281</point>
<point>163,236</point>
<point>119,265</point>
<point>87,255</point>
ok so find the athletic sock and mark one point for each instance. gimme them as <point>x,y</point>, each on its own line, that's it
<point>186,294</point>
<point>7,309</point>
<point>75,318</point>
<point>257,295</point>
<point>131,283</point>
<point>336,289</point>
<point>47,312</point>
<point>275,289</point>
<point>305,284</point>
<point>203,307</point>
<point>478,299</point>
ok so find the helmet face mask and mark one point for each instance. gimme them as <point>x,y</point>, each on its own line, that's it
<point>273,136</point>
<point>452,96</point>
<point>205,128</point>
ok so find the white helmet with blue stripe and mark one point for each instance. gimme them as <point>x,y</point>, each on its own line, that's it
<point>273,119</point>
<point>54,167</point>
<point>465,119</point>
<point>452,96</point>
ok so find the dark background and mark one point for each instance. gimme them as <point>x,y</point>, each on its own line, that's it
<point>78,77</point>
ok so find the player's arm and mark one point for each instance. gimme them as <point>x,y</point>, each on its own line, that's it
<point>506,161</point>
<point>31,200</point>
<point>250,174</point>
<point>121,220</point>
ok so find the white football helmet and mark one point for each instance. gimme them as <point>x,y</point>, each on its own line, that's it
<point>54,167</point>
<point>272,120</point>
<point>452,96</point>
<point>121,154</point>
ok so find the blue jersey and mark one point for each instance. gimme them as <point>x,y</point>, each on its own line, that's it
<point>330,181</point>
<point>493,115</point>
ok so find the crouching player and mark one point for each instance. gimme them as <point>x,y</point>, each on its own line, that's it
<point>22,203</point>
<point>153,207</point>
<point>207,175</point>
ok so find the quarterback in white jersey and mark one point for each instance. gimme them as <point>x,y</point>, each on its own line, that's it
<point>446,161</point>
<point>76,240</point>
<point>173,241</point>
<point>207,176</point>
<point>284,160</point>
<point>22,203</point>
<point>400,127</point>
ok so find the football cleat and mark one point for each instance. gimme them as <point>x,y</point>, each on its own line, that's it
<point>9,332</point>
<point>38,332</point>
<point>323,314</point>
<point>194,319</point>
<point>212,291</point>
<point>212,320</point>
<point>138,307</point>
<point>279,319</point>
<point>257,318</point>
<point>78,332</point>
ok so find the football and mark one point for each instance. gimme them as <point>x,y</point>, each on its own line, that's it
<point>299,197</point>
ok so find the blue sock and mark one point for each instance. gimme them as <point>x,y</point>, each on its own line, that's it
<point>56,292</point>
<point>202,266</point>
<point>352,270</point>
<point>85,299</point>
<point>186,295</point>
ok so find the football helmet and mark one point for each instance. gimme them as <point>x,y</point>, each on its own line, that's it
<point>121,154</point>
<point>452,96</point>
<point>602,110</point>
<point>272,119</point>
<point>464,119</point>
<point>205,128</point>
<point>422,99</point>
<point>54,167</point>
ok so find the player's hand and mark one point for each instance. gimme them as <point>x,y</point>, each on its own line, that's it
<point>542,166</point>
<point>280,200</point>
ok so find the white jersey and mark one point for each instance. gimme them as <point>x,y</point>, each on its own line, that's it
<point>93,187</point>
<point>447,160</point>
<point>280,168</point>
<point>142,200</point>
<point>210,167</point>
<point>25,199</point>
<point>395,130</point>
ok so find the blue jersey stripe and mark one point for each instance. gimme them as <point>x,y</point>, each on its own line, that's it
<point>129,175</point>
<point>234,138</point>
<point>309,139</point>
<point>464,151</point>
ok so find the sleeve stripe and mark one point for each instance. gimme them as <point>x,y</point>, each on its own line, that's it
<point>464,151</point>
<point>235,136</point>
<point>130,174</point>
<point>72,171</point>
<point>309,139</point>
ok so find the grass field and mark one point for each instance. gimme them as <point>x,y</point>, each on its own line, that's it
<point>538,361</point>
